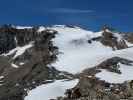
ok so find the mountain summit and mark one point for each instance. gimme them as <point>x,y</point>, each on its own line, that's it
<point>40,63</point>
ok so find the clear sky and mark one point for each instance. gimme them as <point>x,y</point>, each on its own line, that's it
<point>91,14</point>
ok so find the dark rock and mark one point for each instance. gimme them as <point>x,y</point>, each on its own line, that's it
<point>110,40</point>
<point>36,69</point>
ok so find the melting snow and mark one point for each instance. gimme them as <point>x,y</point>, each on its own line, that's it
<point>11,52</point>
<point>21,63</point>
<point>19,50</point>
<point>14,65</point>
<point>51,90</point>
<point>1,77</point>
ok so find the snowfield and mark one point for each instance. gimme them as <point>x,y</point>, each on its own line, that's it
<point>51,90</point>
<point>76,53</point>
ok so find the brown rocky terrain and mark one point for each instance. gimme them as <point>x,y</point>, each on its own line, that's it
<point>108,38</point>
<point>35,68</point>
<point>24,72</point>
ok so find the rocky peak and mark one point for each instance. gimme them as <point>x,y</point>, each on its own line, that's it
<point>108,28</point>
<point>113,39</point>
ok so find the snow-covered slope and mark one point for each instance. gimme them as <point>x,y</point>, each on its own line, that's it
<point>51,90</point>
<point>76,53</point>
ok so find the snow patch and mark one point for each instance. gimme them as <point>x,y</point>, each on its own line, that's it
<point>126,74</point>
<point>41,28</point>
<point>19,50</point>
<point>21,63</point>
<point>11,52</point>
<point>1,77</point>
<point>24,27</point>
<point>14,65</point>
<point>51,90</point>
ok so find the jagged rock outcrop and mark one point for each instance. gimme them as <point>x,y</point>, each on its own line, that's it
<point>109,39</point>
<point>128,37</point>
<point>20,73</point>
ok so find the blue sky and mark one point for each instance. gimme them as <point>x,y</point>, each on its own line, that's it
<point>91,14</point>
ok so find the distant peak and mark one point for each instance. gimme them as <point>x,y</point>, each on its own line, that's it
<point>107,28</point>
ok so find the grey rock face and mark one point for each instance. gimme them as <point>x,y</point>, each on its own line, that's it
<point>33,65</point>
<point>109,39</point>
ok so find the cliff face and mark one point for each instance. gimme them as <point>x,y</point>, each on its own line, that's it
<point>113,41</point>
<point>25,59</point>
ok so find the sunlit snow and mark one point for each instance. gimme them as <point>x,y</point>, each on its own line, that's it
<point>76,53</point>
<point>19,50</point>
<point>14,65</point>
<point>126,74</point>
<point>51,90</point>
<point>23,27</point>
